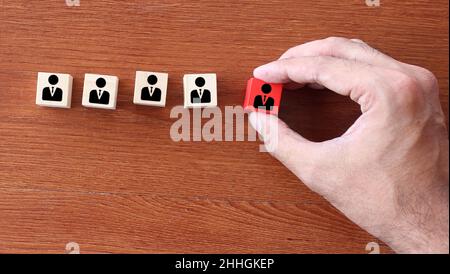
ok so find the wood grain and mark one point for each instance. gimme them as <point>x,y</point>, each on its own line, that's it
<point>114,181</point>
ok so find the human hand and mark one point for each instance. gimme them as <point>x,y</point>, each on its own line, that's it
<point>389,172</point>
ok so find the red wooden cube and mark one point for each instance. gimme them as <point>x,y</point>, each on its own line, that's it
<point>262,96</point>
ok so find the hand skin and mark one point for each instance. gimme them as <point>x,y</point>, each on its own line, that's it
<point>389,173</point>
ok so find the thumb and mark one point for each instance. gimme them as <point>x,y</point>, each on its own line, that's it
<point>298,154</point>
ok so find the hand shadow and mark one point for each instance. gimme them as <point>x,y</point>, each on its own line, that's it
<point>318,115</point>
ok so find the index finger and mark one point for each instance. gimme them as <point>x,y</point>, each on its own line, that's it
<point>357,80</point>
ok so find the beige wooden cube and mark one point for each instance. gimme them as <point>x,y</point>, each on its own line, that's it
<point>54,90</point>
<point>100,91</point>
<point>200,90</point>
<point>150,88</point>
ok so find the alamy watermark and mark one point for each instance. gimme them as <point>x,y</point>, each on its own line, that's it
<point>72,248</point>
<point>373,3</point>
<point>227,125</point>
<point>373,248</point>
<point>73,3</point>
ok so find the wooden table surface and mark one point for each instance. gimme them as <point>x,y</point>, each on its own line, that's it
<point>115,182</point>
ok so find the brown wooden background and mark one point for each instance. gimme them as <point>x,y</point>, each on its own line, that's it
<point>113,181</point>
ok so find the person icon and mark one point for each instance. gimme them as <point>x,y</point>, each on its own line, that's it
<point>152,94</point>
<point>99,96</point>
<point>200,95</point>
<point>52,93</point>
<point>264,101</point>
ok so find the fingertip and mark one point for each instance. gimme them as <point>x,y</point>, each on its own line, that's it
<point>260,72</point>
<point>273,72</point>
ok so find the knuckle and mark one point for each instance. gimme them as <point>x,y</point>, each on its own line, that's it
<point>335,39</point>
<point>369,49</point>
<point>407,90</point>
<point>428,78</point>
<point>321,63</point>
<point>358,41</point>
<point>404,81</point>
<point>331,43</point>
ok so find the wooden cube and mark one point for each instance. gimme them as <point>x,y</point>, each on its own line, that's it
<point>54,90</point>
<point>262,96</point>
<point>150,88</point>
<point>200,90</point>
<point>100,91</point>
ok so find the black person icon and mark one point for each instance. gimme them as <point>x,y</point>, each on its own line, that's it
<point>264,101</point>
<point>152,94</point>
<point>99,96</point>
<point>200,95</point>
<point>52,93</point>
